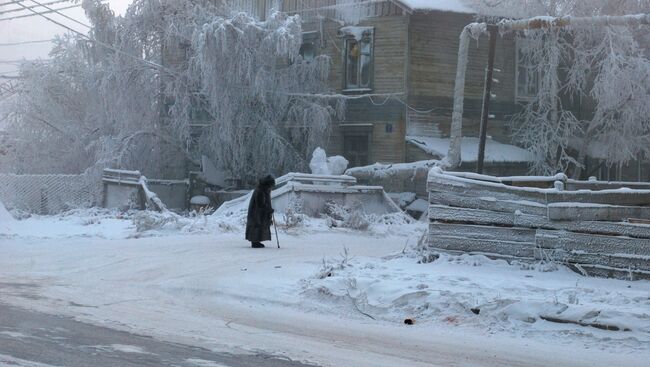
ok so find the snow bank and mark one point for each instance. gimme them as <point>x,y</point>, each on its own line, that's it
<point>472,290</point>
<point>5,216</point>
<point>6,219</point>
<point>107,224</point>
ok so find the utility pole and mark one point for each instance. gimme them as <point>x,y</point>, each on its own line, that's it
<point>485,114</point>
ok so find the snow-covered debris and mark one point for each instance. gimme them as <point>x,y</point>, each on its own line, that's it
<point>381,170</point>
<point>321,164</point>
<point>494,151</point>
<point>403,199</point>
<point>337,164</point>
<point>200,200</point>
<point>419,205</point>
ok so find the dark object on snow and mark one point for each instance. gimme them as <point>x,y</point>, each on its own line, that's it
<point>476,310</point>
<point>429,258</point>
<point>409,321</point>
<point>596,325</point>
<point>260,212</point>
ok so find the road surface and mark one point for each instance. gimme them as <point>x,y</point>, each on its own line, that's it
<point>32,339</point>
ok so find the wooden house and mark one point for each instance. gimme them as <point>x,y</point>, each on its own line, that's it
<point>396,61</point>
<point>402,55</point>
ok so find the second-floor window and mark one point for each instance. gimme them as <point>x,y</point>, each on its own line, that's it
<point>527,72</point>
<point>358,57</point>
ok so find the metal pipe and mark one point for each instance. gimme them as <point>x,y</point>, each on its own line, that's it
<point>485,113</point>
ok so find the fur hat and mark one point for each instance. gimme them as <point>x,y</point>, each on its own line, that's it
<point>268,181</point>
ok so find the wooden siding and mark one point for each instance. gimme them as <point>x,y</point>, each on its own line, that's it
<point>389,76</point>
<point>434,39</point>
<point>310,10</point>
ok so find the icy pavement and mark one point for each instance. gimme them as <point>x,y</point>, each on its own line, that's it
<point>32,339</point>
<point>308,302</point>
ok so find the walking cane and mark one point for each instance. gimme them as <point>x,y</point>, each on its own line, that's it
<point>276,231</point>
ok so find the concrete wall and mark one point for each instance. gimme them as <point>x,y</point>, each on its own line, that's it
<point>172,192</point>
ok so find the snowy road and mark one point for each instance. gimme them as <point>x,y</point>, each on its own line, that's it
<point>32,339</point>
<point>214,292</point>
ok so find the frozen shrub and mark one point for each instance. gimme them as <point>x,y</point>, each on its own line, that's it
<point>149,220</point>
<point>293,216</point>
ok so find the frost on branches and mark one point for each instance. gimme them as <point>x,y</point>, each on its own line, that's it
<point>603,69</point>
<point>115,101</point>
<point>257,90</point>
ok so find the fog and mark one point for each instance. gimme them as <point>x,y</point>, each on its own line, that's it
<point>37,28</point>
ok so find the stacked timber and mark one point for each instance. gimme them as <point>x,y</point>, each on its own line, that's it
<point>603,232</point>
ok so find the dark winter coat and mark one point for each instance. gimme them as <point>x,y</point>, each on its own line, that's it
<point>260,212</point>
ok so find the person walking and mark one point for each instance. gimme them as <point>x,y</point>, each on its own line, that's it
<point>260,213</point>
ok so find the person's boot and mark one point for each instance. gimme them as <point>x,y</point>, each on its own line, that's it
<point>257,245</point>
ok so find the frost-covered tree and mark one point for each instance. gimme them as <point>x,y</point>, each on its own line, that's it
<point>116,99</point>
<point>606,68</point>
<point>262,99</point>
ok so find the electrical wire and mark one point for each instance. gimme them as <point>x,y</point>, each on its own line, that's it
<point>61,14</point>
<point>33,6</point>
<point>45,12</point>
<point>149,63</point>
<point>25,42</point>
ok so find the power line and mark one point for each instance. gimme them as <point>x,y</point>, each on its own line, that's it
<point>61,14</point>
<point>149,63</point>
<point>17,61</point>
<point>44,12</point>
<point>33,6</point>
<point>11,2</point>
<point>26,42</point>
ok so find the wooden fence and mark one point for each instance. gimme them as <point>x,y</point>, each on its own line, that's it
<point>602,232</point>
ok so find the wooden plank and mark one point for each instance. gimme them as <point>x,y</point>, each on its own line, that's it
<point>444,213</point>
<point>619,261</point>
<point>445,183</point>
<point>611,197</point>
<point>486,254</point>
<point>595,212</point>
<point>486,203</point>
<point>605,185</point>
<point>607,272</point>
<point>611,245</point>
<point>593,227</point>
<point>463,186</point>
<point>507,248</point>
<point>638,221</point>
<point>512,234</point>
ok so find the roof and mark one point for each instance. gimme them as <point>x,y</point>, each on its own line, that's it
<point>494,151</point>
<point>455,6</point>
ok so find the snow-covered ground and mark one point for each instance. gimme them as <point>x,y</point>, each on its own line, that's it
<point>335,297</point>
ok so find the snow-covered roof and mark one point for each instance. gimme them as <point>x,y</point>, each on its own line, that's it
<point>494,151</point>
<point>455,6</point>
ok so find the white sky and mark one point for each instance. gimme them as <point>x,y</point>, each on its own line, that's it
<point>37,28</point>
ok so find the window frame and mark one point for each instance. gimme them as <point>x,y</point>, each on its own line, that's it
<point>311,38</point>
<point>367,37</point>
<point>519,97</point>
